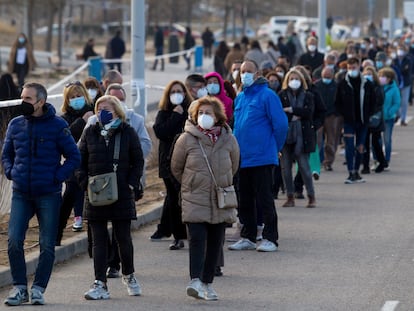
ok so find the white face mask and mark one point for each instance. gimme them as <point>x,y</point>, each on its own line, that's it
<point>234,74</point>
<point>312,48</point>
<point>176,98</point>
<point>92,93</point>
<point>280,74</point>
<point>294,84</point>
<point>202,92</point>
<point>205,121</point>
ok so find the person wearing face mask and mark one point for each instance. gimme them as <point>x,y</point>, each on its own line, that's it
<point>206,137</point>
<point>34,164</point>
<point>374,133</point>
<point>169,123</point>
<point>93,87</point>
<point>404,63</point>
<point>312,57</point>
<point>260,126</point>
<point>356,103</point>
<point>21,58</point>
<point>329,136</point>
<point>392,101</point>
<point>215,87</point>
<point>196,85</point>
<point>97,146</point>
<point>329,62</point>
<point>77,108</point>
<point>298,104</point>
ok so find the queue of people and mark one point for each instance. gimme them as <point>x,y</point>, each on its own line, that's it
<point>244,127</point>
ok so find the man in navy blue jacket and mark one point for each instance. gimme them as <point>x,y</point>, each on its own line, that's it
<point>32,158</point>
<point>260,126</point>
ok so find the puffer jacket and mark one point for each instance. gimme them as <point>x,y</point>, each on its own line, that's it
<point>392,100</point>
<point>33,150</point>
<point>188,165</point>
<point>260,125</point>
<point>97,158</point>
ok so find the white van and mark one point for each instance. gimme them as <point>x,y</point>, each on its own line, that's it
<point>278,25</point>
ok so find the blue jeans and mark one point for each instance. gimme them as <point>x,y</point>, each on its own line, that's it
<point>354,137</point>
<point>389,126</point>
<point>23,208</point>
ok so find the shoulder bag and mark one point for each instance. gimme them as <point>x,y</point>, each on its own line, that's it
<point>226,196</point>
<point>103,188</point>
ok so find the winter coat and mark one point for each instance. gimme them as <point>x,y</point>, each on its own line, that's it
<point>168,124</point>
<point>305,113</point>
<point>313,60</point>
<point>392,101</point>
<point>328,93</point>
<point>404,65</point>
<point>75,120</point>
<point>345,101</point>
<point>227,101</point>
<point>256,55</point>
<point>260,125</point>
<point>33,150</point>
<point>97,158</point>
<point>198,194</point>
<point>30,60</point>
<point>231,57</point>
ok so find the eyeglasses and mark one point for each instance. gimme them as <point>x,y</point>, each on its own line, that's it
<point>78,83</point>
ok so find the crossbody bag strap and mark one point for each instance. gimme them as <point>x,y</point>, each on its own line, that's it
<point>116,150</point>
<point>208,163</point>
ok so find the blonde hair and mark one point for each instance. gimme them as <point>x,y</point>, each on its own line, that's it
<point>115,103</point>
<point>387,72</point>
<point>212,101</point>
<point>374,73</point>
<point>72,88</point>
<point>285,83</point>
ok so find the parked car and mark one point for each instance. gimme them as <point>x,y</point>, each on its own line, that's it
<point>238,32</point>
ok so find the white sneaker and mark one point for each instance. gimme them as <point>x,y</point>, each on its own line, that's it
<point>209,292</point>
<point>242,244</point>
<point>77,224</point>
<point>195,289</point>
<point>134,289</point>
<point>266,246</point>
<point>98,291</point>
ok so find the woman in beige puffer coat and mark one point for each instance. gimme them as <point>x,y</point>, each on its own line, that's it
<point>205,221</point>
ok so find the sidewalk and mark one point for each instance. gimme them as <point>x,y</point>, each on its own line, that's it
<point>78,244</point>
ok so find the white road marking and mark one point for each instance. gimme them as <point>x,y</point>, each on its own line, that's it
<point>390,305</point>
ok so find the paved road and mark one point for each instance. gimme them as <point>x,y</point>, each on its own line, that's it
<point>353,252</point>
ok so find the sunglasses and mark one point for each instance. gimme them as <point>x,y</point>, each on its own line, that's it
<point>78,83</point>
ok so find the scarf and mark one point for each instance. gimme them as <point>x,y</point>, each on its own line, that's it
<point>295,125</point>
<point>108,129</point>
<point>212,133</point>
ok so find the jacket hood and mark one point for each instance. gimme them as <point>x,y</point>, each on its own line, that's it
<point>222,93</point>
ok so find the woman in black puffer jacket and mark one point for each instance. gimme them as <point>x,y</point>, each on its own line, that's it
<point>97,150</point>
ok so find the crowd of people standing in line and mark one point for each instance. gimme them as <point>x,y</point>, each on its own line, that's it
<point>245,124</point>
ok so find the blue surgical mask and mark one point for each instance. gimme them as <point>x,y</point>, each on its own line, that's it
<point>353,73</point>
<point>247,78</point>
<point>22,40</point>
<point>326,80</point>
<point>331,66</point>
<point>379,64</point>
<point>105,116</point>
<point>202,92</point>
<point>274,85</point>
<point>369,77</point>
<point>77,103</point>
<point>213,88</point>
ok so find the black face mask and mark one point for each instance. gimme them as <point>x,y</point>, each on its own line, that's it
<point>26,108</point>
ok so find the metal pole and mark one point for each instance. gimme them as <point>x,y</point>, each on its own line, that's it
<point>322,25</point>
<point>25,25</point>
<point>391,17</point>
<point>138,57</point>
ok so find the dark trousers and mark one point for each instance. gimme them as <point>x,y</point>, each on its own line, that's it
<point>72,198</point>
<point>122,232</point>
<point>373,137</point>
<point>256,183</point>
<point>205,242</point>
<point>171,222</point>
<point>21,73</point>
<point>158,51</point>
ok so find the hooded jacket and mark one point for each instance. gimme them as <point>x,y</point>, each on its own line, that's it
<point>227,101</point>
<point>188,165</point>
<point>392,101</point>
<point>260,125</point>
<point>33,150</point>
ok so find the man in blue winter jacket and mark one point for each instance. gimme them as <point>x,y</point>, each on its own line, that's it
<point>260,126</point>
<point>32,158</point>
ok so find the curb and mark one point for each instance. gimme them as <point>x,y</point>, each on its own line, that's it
<point>76,245</point>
